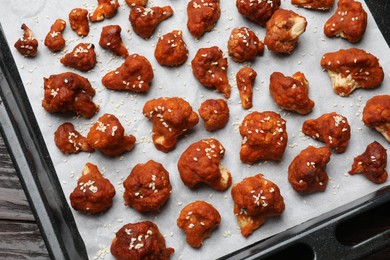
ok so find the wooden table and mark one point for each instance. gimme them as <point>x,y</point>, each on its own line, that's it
<point>20,237</point>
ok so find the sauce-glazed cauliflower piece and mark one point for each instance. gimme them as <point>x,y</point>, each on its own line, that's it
<point>108,136</point>
<point>78,20</point>
<point>82,57</point>
<point>27,45</point>
<point>104,9</point>
<point>333,129</point>
<point>283,30</point>
<point>94,193</point>
<point>215,114</point>
<point>135,74</point>
<point>291,93</point>
<point>244,45</point>
<point>307,171</point>
<point>201,163</point>
<point>372,163</point>
<point>198,219</point>
<point>256,198</point>
<point>209,67</point>
<point>376,114</point>
<point>171,118</point>
<point>110,39</point>
<point>54,40</point>
<point>264,137</point>
<point>139,241</point>
<point>202,16</point>
<point>314,4</point>
<point>349,21</point>
<point>258,11</point>
<point>67,92</point>
<point>147,188</point>
<point>245,78</point>
<point>69,140</point>
<point>171,50</point>
<point>145,20</point>
<point>352,69</point>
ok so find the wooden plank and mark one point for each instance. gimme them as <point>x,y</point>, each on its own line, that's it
<point>14,205</point>
<point>20,240</point>
<point>20,237</point>
<point>8,175</point>
<point>5,161</point>
<point>13,201</point>
<point>9,179</point>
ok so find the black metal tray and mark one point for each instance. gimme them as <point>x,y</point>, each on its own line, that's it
<point>315,239</point>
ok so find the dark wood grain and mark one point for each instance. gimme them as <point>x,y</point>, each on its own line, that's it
<point>14,205</point>
<point>20,240</point>
<point>13,202</point>
<point>20,237</point>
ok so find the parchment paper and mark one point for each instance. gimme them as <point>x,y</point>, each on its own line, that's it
<point>98,231</point>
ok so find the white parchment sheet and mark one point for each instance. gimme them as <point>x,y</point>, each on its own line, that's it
<point>98,231</point>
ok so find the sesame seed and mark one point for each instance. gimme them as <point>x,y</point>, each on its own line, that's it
<point>139,246</point>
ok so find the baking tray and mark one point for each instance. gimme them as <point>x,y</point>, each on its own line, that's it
<point>316,237</point>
